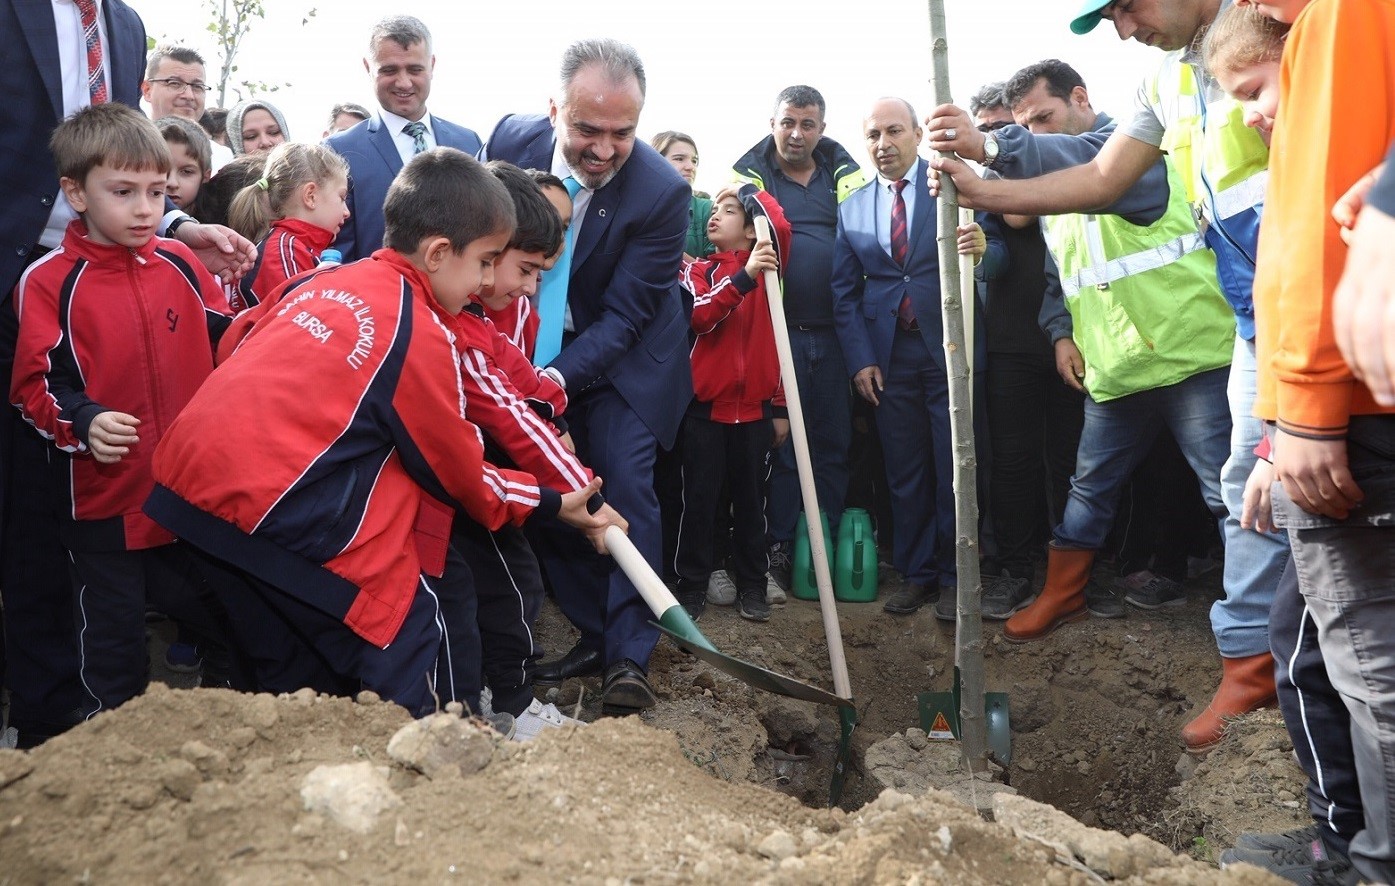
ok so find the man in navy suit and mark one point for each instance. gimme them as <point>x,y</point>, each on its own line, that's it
<point>886,306</point>
<point>624,357</point>
<point>44,78</point>
<point>401,64</point>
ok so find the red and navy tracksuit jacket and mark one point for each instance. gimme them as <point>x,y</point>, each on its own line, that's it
<point>291,247</point>
<point>736,372</point>
<point>109,328</point>
<point>513,415</point>
<point>305,458</point>
<point>519,323</point>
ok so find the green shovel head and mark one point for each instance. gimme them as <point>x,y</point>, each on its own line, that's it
<point>689,638</point>
<point>939,717</point>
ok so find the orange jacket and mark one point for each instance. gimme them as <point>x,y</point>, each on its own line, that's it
<point>1336,120</point>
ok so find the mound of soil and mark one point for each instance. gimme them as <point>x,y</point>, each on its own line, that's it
<point>718,781</point>
<point>206,786</point>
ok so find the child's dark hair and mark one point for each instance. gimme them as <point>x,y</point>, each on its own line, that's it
<point>230,178</point>
<point>544,179</point>
<point>110,134</point>
<point>287,168</point>
<point>447,193</point>
<point>179,131</point>
<point>537,227</point>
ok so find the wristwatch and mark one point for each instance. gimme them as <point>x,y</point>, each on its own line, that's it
<point>178,223</point>
<point>990,150</point>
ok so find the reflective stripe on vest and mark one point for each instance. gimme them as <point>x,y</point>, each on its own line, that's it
<point>1224,162</point>
<point>1102,273</point>
<point>1144,299</point>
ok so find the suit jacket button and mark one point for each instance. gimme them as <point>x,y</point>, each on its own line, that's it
<point>600,212</point>
<point>46,200</point>
<point>906,279</point>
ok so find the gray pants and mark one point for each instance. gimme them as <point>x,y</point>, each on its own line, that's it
<point>1346,572</point>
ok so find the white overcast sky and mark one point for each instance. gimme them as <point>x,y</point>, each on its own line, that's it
<point>714,66</point>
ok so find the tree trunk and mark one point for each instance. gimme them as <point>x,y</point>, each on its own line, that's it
<point>968,640</point>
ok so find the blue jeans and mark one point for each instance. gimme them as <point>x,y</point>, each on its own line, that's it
<point>1254,562</point>
<point>823,391</point>
<point>1118,434</point>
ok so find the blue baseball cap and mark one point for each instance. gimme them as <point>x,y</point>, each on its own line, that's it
<point>1088,16</point>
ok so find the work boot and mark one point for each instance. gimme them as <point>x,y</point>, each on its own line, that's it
<point>1247,684</point>
<point>1061,600</point>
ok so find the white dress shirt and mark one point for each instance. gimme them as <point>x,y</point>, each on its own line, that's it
<point>580,203</point>
<point>886,198</point>
<point>406,145</point>
<point>72,60</point>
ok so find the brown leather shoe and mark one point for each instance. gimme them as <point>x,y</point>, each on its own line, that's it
<point>1247,684</point>
<point>1062,600</point>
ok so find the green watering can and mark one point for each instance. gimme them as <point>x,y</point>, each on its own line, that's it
<point>855,573</point>
<point>803,583</point>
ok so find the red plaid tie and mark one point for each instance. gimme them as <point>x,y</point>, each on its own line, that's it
<point>96,80</point>
<point>900,248</point>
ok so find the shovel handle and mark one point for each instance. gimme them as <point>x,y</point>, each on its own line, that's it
<point>652,588</point>
<point>817,543</point>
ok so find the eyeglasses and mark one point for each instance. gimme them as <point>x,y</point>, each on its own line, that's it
<point>177,85</point>
<point>994,125</point>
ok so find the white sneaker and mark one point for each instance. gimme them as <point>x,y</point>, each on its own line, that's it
<point>9,739</point>
<point>486,702</point>
<point>774,594</point>
<point>538,717</point>
<point>721,591</point>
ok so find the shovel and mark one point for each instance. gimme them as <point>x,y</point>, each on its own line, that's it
<point>674,620</point>
<point>847,714</point>
<point>939,717</point>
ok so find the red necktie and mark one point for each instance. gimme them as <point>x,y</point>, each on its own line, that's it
<point>96,80</point>
<point>900,248</point>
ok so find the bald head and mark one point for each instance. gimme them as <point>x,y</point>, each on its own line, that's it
<point>891,135</point>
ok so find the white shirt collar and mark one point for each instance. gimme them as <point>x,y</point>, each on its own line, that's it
<point>394,123</point>
<point>910,176</point>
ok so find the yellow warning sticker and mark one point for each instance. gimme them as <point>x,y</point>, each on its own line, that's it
<point>940,728</point>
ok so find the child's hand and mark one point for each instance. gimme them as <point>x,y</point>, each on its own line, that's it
<point>567,441</point>
<point>1315,475</point>
<point>111,436</point>
<point>1350,204</point>
<point>782,433</point>
<point>1258,511</point>
<point>574,512</point>
<point>972,241</point>
<point>762,259</point>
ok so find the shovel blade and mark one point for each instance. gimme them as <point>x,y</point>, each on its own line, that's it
<point>939,717</point>
<point>754,675</point>
<point>848,718</point>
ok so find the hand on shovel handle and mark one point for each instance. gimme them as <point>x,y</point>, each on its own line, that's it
<point>587,511</point>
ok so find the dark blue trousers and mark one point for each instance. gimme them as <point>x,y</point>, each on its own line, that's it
<point>590,589</point>
<point>509,590</point>
<point>41,658</point>
<point>1317,720</point>
<point>913,420</point>
<point>433,659</point>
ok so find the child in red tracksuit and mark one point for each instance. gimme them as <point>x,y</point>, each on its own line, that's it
<point>511,312</point>
<point>516,407</point>
<point>351,390</point>
<point>293,213</point>
<point>114,340</point>
<point>737,414</point>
